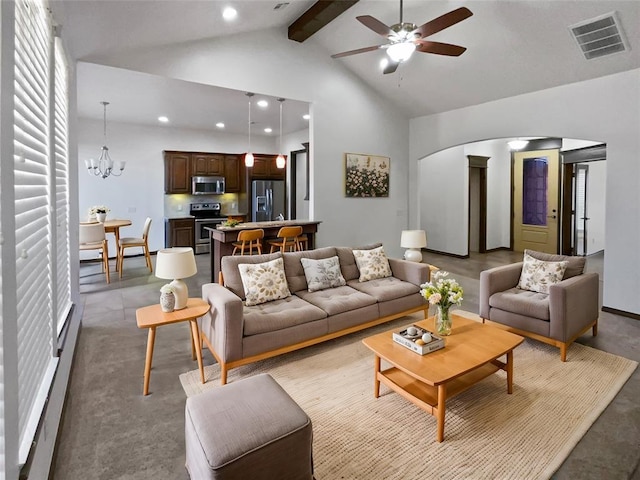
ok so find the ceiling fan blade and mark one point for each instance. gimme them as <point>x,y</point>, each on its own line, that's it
<point>354,52</point>
<point>438,48</point>
<point>443,21</point>
<point>375,25</point>
<point>391,67</point>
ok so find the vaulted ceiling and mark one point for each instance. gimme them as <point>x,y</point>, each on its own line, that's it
<point>513,47</point>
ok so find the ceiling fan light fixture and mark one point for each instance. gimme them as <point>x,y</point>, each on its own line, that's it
<point>401,52</point>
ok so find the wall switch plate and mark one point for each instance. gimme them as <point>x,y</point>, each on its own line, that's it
<point>179,208</point>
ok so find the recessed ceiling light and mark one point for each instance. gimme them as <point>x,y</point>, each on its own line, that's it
<point>268,130</point>
<point>220,125</point>
<point>263,103</point>
<point>163,119</point>
<point>229,13</point>
<point>306,116</point>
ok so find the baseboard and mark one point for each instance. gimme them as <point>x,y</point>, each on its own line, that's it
<point>40,460</point>
<point>497,249</point>
<point>622,313</point>
<point>428,250</point>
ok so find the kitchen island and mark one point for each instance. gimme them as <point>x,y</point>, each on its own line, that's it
<point>221,238</point>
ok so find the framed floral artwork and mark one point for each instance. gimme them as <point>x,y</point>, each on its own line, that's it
<point>366,175</point>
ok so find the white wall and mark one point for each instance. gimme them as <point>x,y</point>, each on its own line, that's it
<point>443,200</point>
<point>346,116</point>
<point>139,192</point>
<point>605,109</point>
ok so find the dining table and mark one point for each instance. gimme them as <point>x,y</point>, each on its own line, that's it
<point>113,226</point>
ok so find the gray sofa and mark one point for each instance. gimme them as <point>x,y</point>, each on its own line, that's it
<point>557,318</point>
<point>237,334</point>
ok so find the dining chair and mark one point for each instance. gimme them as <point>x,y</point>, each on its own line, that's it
<point>92,237</point>
<point>250,240</point>
<point>143,242</point>
<point>287,239</point>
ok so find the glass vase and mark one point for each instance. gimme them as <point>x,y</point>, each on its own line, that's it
<point>443,320</point>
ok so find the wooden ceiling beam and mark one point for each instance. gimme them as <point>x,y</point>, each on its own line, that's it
<point>319,14</point>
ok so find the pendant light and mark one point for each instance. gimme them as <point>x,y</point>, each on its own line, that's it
<point>280,162</point>
<point>104,166</point>
<point>248,158</point>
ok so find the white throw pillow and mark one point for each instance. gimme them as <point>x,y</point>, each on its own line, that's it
<point>322,274</point>
<point>372,264</point>
<point>263,282</point>
<point>538,276</point>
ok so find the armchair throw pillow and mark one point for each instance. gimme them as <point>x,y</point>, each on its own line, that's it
<point>538,276</point>
<point>372,264</point>
<point>263,282</point>
<point>322,274</point>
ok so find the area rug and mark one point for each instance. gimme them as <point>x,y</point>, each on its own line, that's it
<point>488,433</point>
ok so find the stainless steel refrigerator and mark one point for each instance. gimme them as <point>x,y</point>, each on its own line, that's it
<point>267,200</point>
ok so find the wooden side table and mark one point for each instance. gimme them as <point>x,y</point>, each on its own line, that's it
<point>152,317</point>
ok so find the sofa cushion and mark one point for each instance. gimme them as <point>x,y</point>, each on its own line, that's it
<point>293,267</point>
<point>323,273</point>
<point>337,300</point>
<point>384,289</point>
<point>348,262</point>
<point>278,315</point>
<point>372,264</point>
<point>523,302</point>
<point>538,275</point>
<point>575,266</point>
<point>263,282</point>
<point>231,274</point>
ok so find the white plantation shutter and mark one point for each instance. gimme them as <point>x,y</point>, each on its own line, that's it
<point>36,364</point>
<point>61,156</point>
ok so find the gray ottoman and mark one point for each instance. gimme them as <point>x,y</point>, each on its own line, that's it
<point>248,429</point>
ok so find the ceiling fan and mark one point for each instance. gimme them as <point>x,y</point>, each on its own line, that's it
<point>405,38</point>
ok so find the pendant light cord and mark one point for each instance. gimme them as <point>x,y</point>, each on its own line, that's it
<point>104,119</point>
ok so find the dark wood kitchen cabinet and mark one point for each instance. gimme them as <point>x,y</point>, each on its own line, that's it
<point>233,173</point>
<point>180,232</point>
<point>207,164</point>
<point>177,172</point>
<point>264,167</point>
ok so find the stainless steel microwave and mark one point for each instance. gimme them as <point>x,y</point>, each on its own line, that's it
<point>207,185</point>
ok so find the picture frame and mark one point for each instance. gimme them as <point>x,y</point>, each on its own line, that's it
<point>366,175</point>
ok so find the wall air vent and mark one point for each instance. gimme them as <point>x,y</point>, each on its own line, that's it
<point>280,6</point>
<point>600,36</point>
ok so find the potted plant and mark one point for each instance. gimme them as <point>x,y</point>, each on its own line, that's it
<point>99,212</point>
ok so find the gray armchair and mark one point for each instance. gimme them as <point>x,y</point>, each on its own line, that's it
<point>557,318</point>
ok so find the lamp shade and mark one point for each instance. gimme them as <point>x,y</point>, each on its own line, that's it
<point>175,263</point>
<point>413,239</point>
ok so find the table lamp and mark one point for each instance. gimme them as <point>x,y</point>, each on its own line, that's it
<point>413,241</point>
<point>177,263</point>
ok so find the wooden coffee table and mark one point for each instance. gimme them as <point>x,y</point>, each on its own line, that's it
<point>470,354</point>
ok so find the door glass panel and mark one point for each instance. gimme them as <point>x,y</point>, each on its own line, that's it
<point>534,191</point>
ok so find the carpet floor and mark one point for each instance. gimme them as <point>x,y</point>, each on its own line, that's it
<point>488,433</point>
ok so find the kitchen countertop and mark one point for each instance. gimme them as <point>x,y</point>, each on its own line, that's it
<point>276,223</point>
<point>180,217</point>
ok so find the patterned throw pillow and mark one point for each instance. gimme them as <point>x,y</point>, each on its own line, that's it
<point>322,274</point>
<point>372,264</point>
<point>538,276</point>
<point>263,282</point>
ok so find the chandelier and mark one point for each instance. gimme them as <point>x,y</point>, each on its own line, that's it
<point>104,166</point>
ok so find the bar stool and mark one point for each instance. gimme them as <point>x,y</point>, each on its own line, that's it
<point>303,242</point>
<point>249,239</point>
<point>287,239</point>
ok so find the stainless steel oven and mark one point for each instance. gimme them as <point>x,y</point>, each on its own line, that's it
<point>206,215</point>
